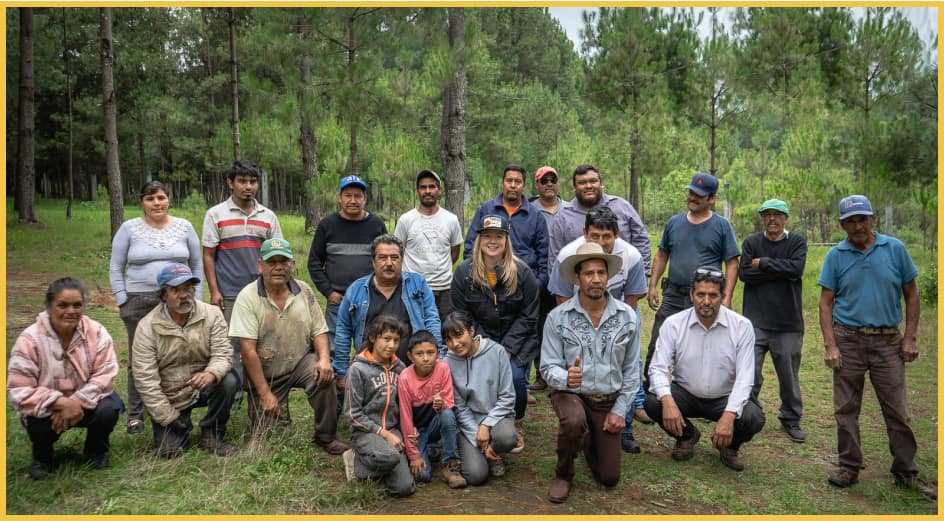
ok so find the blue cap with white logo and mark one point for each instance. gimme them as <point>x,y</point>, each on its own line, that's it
<point>854,205</point>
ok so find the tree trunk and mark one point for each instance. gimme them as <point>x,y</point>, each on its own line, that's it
<point>307,131</point>
<point>234,82</point>
<point>110,109</point>
<point>452,132</point>
<point>25,159</point>
<point>351,50</point>
<point>65,56</point>
<point>634,153</point>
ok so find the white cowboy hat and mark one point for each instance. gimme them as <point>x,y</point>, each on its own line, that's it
<point>589,250</point>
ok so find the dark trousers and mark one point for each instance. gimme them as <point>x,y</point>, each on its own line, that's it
<point>786,348</point>
<point>879,356</point>
<point>228,305</point>
<point>98,422</point>
<point>674,299</point>
<point>131,312</point>
<point>443,304</point>
<point>580,427</point>
<point>548,302</point>
<point>746,426</point>
<point>323,400</point>
<point>217,398</point>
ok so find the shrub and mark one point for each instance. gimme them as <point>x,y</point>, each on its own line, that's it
<point>927,284</point>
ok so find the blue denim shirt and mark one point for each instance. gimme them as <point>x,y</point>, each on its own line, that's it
<point>352,316</point>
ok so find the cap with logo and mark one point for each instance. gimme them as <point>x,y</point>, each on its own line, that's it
<point>703,184</point>
<point>854,205</point>
<point>543,171</point>
<point>273,247</point>
<point>174,274</point>
<point>497,223</point>
<point>352,180</point>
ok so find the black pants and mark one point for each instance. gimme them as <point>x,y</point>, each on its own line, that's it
<point>99,422</point>
<point>217,398</point>
<point>548,302</point>
<point>746,426</point>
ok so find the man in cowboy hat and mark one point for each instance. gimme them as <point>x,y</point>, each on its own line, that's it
<point>596,334</point>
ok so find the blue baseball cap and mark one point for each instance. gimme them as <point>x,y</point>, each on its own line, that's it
<point>352,180</point>
<point>854,205</point>
<point>174,274</point>
<point>703,184</point>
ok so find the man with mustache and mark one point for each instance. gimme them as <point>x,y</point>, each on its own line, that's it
<point>183,360</point>
<point>388,290</point>
<point>431,237</point>
<point>590,358</point>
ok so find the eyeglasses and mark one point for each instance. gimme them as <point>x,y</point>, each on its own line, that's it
<point>548,180</point>
<point>708,272</point>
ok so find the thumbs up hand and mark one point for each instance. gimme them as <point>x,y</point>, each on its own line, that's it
<point>437,402</point>
<point>574,374</point>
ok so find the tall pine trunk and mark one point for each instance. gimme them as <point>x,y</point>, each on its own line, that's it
<point>351,52</point>
<point>25,159</point>
<point>452,132</point>
<point>65,56</point>
<point>234,82</point>
<point>110,109</point>
<point>307,131</point>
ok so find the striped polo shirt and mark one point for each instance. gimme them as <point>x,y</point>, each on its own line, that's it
<point>237,237</point>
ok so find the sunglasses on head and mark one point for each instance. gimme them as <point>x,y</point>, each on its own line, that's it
<point>548,179</point>
<point>709,272</point>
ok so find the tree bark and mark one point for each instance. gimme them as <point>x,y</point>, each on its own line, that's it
<point>25,159</point>
<point>234,82</point>
<point>307,136</point>
<point>65,56</point>
<point>110,109</point>
<point>452,132</point>
<point>351,52</point>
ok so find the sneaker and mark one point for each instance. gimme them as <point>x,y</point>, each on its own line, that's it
<point>730,459</point>
<point>918,484</point>
<point>348,457</point>
<point>334,447</point>
<point>532,400</point>
<point>135,426</point>
<point>39,470</point>
<point>519,445</point>
<point>629,444</point>
<point>210,441</point>
<point>641,416</point>
<point>793,432</point>
<point>843,477</point>
<point>558,491</point>
<point>98,461</point>
<point>685,449</point>
<point>496,468</point>
<point>539,384</point>
<point>452,474</point>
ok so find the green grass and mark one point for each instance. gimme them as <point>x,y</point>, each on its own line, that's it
<point>288,475</point>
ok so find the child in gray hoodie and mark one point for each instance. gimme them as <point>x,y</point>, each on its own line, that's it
<point>373,412</point>
<point>485,400</point>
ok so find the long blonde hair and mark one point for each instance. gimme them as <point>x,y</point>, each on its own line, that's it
<point>509,277</point>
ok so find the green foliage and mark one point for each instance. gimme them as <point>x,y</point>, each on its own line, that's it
<point>927,282</point>
<point>195,203</point>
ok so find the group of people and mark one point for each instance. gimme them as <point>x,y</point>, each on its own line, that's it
<point>432,366</point>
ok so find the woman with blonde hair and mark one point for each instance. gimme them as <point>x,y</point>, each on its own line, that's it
<point>500,292</point>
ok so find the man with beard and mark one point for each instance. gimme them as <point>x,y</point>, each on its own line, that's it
<point>528,228</point>
<point>590,358</point>
<point>284,342</point>
<point>588,194</point>
<point>431,236</point>
<point>703,367</point>
<point>183,360</point>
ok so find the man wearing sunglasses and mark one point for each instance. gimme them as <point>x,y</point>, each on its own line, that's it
<point>703,367</point>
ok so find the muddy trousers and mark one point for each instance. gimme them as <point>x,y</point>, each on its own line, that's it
<point>374,458</point>
<point>217,398</point>
<point>580,428</point>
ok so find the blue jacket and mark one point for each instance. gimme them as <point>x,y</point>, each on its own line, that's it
<point>352,316</point>
<point>529,236</point>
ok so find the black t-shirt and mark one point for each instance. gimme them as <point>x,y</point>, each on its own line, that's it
<point>380,305</point>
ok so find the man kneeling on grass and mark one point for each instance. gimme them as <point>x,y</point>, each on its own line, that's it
<point>183,360</point>
<point>426,410</point>
<point>711,352</point>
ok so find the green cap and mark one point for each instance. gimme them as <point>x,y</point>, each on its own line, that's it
<point>774,204</point>
<point>273,247</point>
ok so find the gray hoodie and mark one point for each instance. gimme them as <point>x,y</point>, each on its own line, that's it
<point>371,390</point>
<point>488,395</point>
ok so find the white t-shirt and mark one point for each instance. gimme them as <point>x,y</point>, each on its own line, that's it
<point>427,244</point>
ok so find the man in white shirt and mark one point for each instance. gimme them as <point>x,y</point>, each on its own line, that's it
<point>710,350</point>
<point>431,237</point>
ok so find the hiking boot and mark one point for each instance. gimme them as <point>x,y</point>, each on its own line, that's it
<point>558,491</point>
<point>334,447</point>
<point>39,470</point>
<point>918,484</point>
<point>685,449</point>
<point>348,457</point>
<point>730,458</point>
<point>844,477</point>
<point>539,384</point>
<point>98,461</point>
<point>519,445</point>
<point>532,400</point>
<point>629,443</point>
<point>496,467</point>
<point>214,443</point>
<point>452,474</point>
<point>793,432</point>
<point>641,416</point>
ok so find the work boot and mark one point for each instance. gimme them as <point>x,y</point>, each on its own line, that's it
<point>730,458</point>
<point>496,467</point>
<point>519,445</point>
<point>214,443</point>
<point>629,443</point>
<point>641,416</point>
<point>916,483</point>
<point>532,400</point>
<point>39,470</point>
<point>539,384</point>
<point>844,477</point>
<point>685,449</point>
<point>452,474</point>
<point>98,461</point>
<point>334,447</point>
<point>794,432</point>
<point>558,491</point>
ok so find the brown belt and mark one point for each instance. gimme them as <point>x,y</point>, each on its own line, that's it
<point>600,398</point>
<point>865,330</point>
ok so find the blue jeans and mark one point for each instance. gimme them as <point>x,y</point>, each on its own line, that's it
<point>519,376</point>
<point>441,428</point>
<point>331,320</point>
